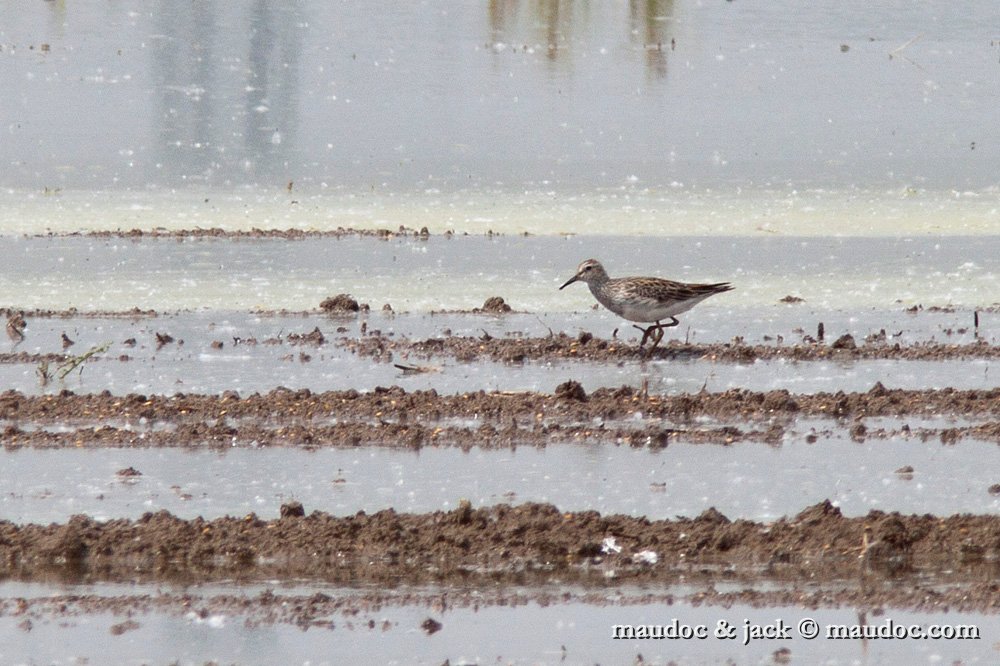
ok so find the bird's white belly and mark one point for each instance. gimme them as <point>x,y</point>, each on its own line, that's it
<point>650,310</point>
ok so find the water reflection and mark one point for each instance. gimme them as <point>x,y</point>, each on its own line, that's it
<point>649,21</point>
<point>557,25</point>
<point>57,18</point>
<point>514,93</point>
<point>242,97</point>
<point>272,85</point>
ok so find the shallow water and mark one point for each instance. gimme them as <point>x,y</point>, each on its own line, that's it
<point>746,480</point>
<point>631,210</point>
<point>255,372</point>
<point>435,95</point>
<point>196,367</point>
<point>461,273</point>
<point>558,633</point>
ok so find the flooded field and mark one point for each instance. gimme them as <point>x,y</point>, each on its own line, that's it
<point>257,418</point>
<point>288,376</point>
<point>752,480</point>
<point>236,627</point>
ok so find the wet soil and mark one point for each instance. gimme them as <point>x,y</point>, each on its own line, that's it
<point>349,611</point>
<point>516,349</point>
<point>880,559</point>
<point>393,417</point>
<point>585,346</point>
<point>73,313</point>
<point>257,233</point>
<point>513,350</point>
<point>817,558</point>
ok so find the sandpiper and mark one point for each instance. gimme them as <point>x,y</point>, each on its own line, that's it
<point>15,327</point>
<point>644,299</point>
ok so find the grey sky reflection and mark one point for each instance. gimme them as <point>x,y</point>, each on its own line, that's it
<point>230,106</point>
<point>510,94</point>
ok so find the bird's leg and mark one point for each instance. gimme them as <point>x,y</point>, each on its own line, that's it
<point>659,331</point>
<point>645,333</point>
<point>655,332</point>
<point>657,337</point>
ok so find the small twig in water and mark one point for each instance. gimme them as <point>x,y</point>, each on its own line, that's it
<point>43,373</point>
<point>899,49</point>
<point>413,369</point>
<point>898,52</point>
<point>551,334</point>
<point>75,362</point>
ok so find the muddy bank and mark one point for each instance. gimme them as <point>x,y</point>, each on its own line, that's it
<point>392,417</point>
<point>418,356</point>
<point>586,347</point>
<point>257,233</point>
<point>389,435</point>
<point>73,313</point>
<point>570,403</point>
<point>352,611</point>
<point>415,436</point>
<point>526,544</point>
<point>408,355</point>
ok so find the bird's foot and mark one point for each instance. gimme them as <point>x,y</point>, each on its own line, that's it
<point>646,332</point>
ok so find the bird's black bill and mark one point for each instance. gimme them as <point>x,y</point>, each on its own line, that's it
<point>570,281</point>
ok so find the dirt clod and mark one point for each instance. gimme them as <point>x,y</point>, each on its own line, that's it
<point>782,656</point>
<point>713,516</point>
<point>845,341</point>
<point>431,626</point>
<point>292,510</point>
<point>123,627</point>
<point>494,305</point>
<point>341,303</point>
<point>571,390</point>
<point>314,337</point>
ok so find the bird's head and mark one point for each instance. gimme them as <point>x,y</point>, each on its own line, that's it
<point>587,271</point>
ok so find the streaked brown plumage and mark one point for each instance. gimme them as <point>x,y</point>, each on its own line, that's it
<point>15,327</point>
<point>644,299</point>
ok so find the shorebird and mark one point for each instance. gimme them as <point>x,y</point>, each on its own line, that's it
<point>15,327</point>
<point>644,299</point>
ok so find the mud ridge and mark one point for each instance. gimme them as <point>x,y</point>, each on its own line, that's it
<point>416,436</point>
<point>389,435</point>
<point>387,349</point>
<point>568,404</point>
<point>587,347</point>
<point>73,313</point>
<point>361,611</point>
<point>525,544</point>
<point>254,233</point>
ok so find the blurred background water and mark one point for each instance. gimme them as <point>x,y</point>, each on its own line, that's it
<point>503,94</point>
